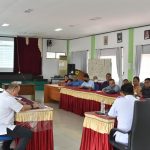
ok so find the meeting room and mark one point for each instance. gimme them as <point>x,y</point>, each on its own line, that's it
<point>74,75</point>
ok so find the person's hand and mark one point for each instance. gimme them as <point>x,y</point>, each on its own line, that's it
<point>35,105</point>
<point>103,91</point>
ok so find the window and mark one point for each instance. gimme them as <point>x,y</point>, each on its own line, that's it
<point>54,55</point>
<point>50,55</point>
<point>144,71</point>
<point>114,67</point>
<point>59,54</point>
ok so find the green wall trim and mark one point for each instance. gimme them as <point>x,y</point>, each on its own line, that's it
<point>68,51</point>
<point>93,50</point>
<point>130,53</point>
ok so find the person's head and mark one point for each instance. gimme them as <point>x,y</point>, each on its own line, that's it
<point>125,81</point>
<point>95,78</point>
<point>136,81</point>
<point>13,89</point>
<point>112,82</point>
<point>74,77</point>
<point>147,83</point>
<point>66,77</point>
<point>108,76</point>
<point>86,77</point>
<point>127,89</point>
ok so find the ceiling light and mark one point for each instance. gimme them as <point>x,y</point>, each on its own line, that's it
<point>28,10</point>
<point>58,29</point>
<point>5,25</point>
<point>73,25</point>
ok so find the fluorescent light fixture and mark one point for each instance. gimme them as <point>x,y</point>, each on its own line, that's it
<point>5,25</point>
<point>28,10</point>
<point>95,18</point>
<point>58,29</point>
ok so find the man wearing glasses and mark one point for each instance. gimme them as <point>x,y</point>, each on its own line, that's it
<point>8,106</point>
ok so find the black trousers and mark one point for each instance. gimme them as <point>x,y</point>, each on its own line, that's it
<point>24,135</point>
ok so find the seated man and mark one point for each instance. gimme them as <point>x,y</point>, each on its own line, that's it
<point>97,84</point>
<point>122,109</point>
<point>65,81</point>
<point>75,82</point>
<point>106,83</point>
<point>112,88</point>
<point>87,84</point>
<point>146,88</point>
<point>125,81</point>
<point>8,106</point>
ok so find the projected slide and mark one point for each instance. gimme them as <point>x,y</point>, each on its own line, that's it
<point>6,54</point>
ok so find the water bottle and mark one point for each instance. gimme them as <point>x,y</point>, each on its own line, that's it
<point>103,107</point>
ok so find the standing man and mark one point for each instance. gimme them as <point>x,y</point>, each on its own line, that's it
<point>8,106</point>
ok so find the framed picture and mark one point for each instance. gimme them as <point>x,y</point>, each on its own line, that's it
<point>105,40</point>
<point>146,34</point>
<point>119,37</point>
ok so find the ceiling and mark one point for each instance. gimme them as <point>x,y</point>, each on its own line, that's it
<point>77,18</point>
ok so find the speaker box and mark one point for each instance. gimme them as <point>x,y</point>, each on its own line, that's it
<point>71,69</point>
<point>49,43</point>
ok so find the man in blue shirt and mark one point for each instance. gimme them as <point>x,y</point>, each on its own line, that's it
<point>75,82</point>
<point>112,88</point>
<point>87,84</point>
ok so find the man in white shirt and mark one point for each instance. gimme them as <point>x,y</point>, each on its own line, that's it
<point>8,106</point>
<point>87,84</point>
<point>123,108</point>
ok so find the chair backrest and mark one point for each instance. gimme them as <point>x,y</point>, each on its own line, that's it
<point>5,138</point>
<point>140,131</point>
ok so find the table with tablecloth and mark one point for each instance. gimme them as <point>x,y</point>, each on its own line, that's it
<point>40,121</point>
<point>80,101</point>
<point>95,134</point>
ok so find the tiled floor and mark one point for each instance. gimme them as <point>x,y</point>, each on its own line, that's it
<point>67,129</point>
<point>67,126</point>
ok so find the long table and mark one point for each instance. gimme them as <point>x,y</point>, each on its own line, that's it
<point>40,121</point>
<point>80,101</point>
<point>95,134</point>
<point>51,92</point>
<point>25,89</point>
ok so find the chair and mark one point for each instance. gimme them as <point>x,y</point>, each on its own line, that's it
<point>5,138</point>
<point>139,136</point>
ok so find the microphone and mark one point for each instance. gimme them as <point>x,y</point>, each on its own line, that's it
<point>23,76</point>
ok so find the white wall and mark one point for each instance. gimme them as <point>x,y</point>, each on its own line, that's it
<point>112,43</point>
<point>57,46</point>
<point>139,36</point>
<point>139,39</point>
<point>85,44</point>
<point>50,66</point>
<point>81,44</point>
